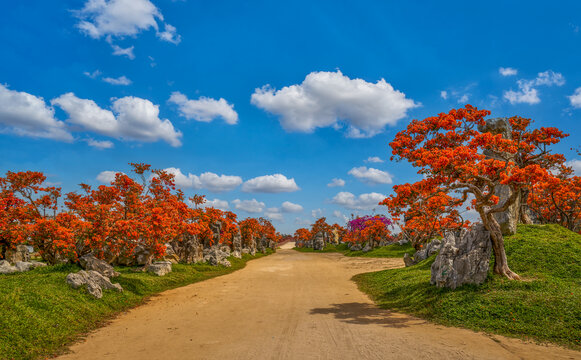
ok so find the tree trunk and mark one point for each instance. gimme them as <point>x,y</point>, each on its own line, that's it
<point>524,207</point>
<point>500,261</point>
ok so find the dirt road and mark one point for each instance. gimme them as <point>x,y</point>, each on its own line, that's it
<point>290,305</point>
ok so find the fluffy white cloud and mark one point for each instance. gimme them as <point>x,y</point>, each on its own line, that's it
<point>374,159</point>
<point>527,89</point>
<point>576,165</point>
<point>317,213</point>
<point>289,207</point>
<point>204,109</point>
<point>120,18</point>
<point>207,180</point>
<point>444,94</point>
<point>251,206</point>
<point>100,144</point>
<point>270,184</point>
<point>507,71</point>
<point>93,75</point>
<point>107,176</point>
<point>325,99</point>
<point>122,80</point>
<point>336,183</point>
<point>576,98</point>
<point>371,175</point>
<point>361,202</point>
<point>217,204</point>
<point>131,118</point>
<point>27,115</point>
<point>340,215</point>
<point>464,98</point>
<point>274,214</point>
<point>119,51</point>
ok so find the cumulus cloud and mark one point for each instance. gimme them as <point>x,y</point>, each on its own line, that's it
<point>207,180</point>
<point>131,118</point>
<point>204,109</point>
<point>317,213</point>
<point>107,176</point>
<point>121,18</point>
<point>127,52</point>
<point>100,144</point>
<point>507,71</point>
<point>361,202</point>
<point>576,165</point>
<point>274,214</point>
<point>217,204</point>
<point>464,98</point>
<point>93,75</point>
<point>444,94</point>
<point>575,99</point>
<point>289,207</point>
<point>251,206</point>
<point>374,159</point>
<point>27,115</point>
<point>336,183</point>
<point>527,92</point>
<point>371,175</point>
<point>327,99</point>
<point>122,80</point>
<point>270,184</point>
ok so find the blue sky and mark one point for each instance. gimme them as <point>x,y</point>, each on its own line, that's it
<point>261,104</point>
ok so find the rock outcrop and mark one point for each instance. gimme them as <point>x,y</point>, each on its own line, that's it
<point>20,266</point>
<point>160,268</point>
<point>188,249</point>
<point>90,262</point>
<point>463,258</point>
<point>318,241</point>
<point>427,250</point>
<point>19,253</point>
<point>94,281</point>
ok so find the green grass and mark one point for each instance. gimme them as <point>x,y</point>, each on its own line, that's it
<point>545,306</point>
<point>389,251</point>
<point>40,315</point>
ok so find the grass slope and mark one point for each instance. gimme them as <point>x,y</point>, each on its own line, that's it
<point>390,251</point>
<point>40,315</point>
<point>546,306</point>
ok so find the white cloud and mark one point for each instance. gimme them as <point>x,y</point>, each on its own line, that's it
<point>507,71</point>
<point>104,144</point>
<point>444,94</point>
<point>528,93</point>
<point>132,118</point>
<point>339,214</point>
<point>317,213</point>
<point>302,222</point>
<point>119,51</point>
<point>217,204</point>
<point>336,183</point>
<point>576,98</point>
<point>251,206</point>
<point>207,180</point>
<point>374,159</point>
<point>361,202</point>
<point>371,175</point>
<point>270,184</point>
<point>27,115</point>
<point>576,165</point>
<point>289,207</point>
<point>122,80</point>
<point>325,99</point>
<point>274,214</point>
<point>464,98</point>
<point>93,75</point>
<point>204,109</point>
<point>170,34</point>
<point>107,176</point>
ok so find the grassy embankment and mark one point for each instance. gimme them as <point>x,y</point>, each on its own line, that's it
<point>390,251</point>
<point>40,315</point>
<point>545,306</point>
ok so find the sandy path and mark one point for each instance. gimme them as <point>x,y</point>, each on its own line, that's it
<point>290,305</point>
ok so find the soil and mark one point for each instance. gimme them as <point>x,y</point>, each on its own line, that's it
<point>291,305</point>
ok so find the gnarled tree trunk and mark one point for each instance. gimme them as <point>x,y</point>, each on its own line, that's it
<point>500,261</point>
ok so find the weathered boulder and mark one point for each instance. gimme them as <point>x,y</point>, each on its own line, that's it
<point>170,254</point>
<point>188,249</point>
<point>272,245</point>
<point>215,256</point>
<point>463,259</point>
<point>318,241</point>
<point>367,248</point>
<point>507,219</point>
<point>90,262</point>
<point>237,243</point>
<point>355,247</point>
<point>159,268</point>
<point>225,263</point>
<point>23,266</point>
<point>138,257</point>
<point>19,253</point>
<point>428,250</point>
<point>6,268</point>
<point>95,282</point>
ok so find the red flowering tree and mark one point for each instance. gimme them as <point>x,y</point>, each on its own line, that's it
<point>449,152</point>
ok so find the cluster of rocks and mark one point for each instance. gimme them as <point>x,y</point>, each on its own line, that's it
<point>18,260</point>
<point>320,240</point>
<point>428,250</point>
<point>95,276</point>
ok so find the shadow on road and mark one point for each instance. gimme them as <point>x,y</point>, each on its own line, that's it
<point>364,314</point>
